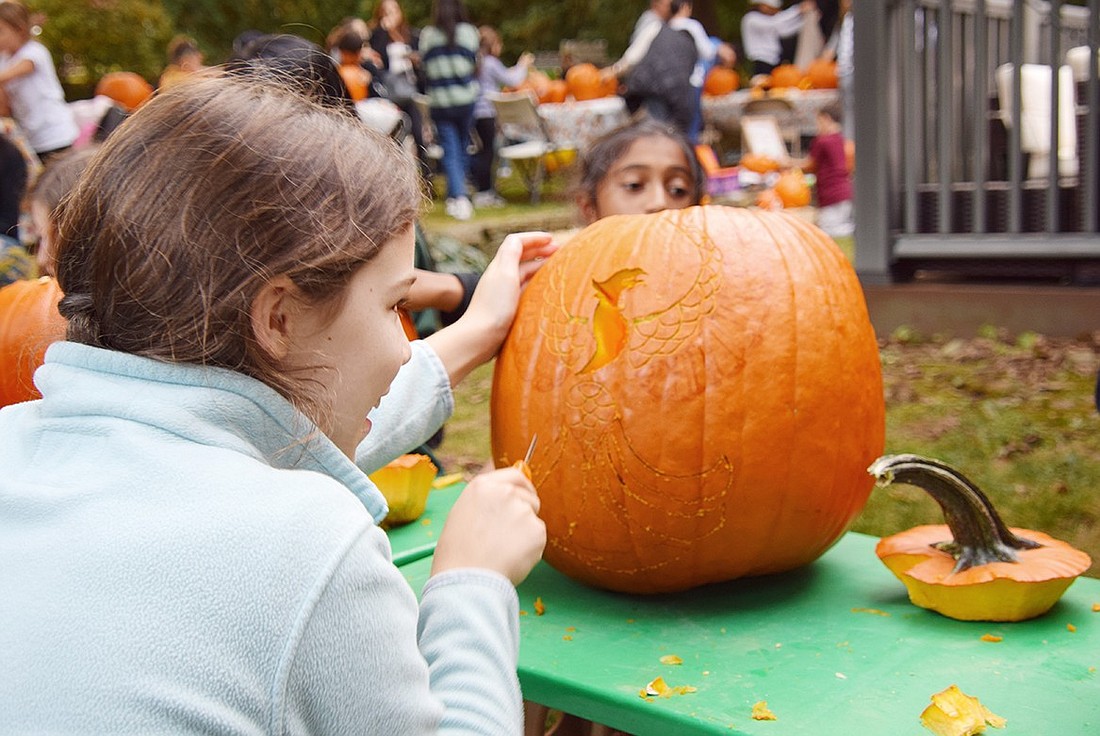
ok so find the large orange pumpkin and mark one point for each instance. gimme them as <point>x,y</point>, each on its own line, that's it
<point>706,390</point>
<point>29,322</point>
<point>126,88</point>
<point>584,81</point>
<point>720,81</point>
<point>785,75</point>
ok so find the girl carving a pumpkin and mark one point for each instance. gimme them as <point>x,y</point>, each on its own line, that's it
<point>188,538</point>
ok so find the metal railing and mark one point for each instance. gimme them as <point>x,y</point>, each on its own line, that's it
<point>946,178</point>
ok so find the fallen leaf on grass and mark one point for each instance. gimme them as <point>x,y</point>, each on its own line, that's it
<point>954,713</point>
<point>760,712</point>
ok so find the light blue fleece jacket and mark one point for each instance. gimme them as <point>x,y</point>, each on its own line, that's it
<point>182,552</point>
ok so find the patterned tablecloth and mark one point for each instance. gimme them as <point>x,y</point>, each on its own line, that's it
<point>580,123</point>
<point>724,113</point>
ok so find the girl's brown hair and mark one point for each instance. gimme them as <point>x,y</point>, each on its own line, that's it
<point>16,15</point>
<point>202,197</point>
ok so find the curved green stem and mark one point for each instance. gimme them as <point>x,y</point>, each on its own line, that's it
<point>979,534</point>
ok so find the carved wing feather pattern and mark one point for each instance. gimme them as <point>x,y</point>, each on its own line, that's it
<point>662,332</point>
<point>564,331</point>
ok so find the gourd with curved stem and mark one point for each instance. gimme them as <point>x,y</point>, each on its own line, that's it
<point>974,568</point>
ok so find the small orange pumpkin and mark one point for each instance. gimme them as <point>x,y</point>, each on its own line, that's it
<point>974,568</point>
<point>822,74</point>
<point>584,82</point>
<point>785,75</point>
<point>405,483</point>
<point>759,163</point>
<point>29,322</point>
<point>792,189</point>
<point>768,200</point>
<point>126,88</point>
<point>720,81</point>
<point>556,91</point>
<point>685,373</point>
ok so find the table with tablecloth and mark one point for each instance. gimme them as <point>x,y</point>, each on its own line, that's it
<point>724,112</point>
<point>581,122</point>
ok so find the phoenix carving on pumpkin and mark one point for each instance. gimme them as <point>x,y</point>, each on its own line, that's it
<point>594,330</point>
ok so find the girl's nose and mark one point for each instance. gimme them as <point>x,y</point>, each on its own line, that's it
<point>657,200</point>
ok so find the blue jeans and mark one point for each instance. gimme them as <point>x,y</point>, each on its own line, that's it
<point>452,124</point>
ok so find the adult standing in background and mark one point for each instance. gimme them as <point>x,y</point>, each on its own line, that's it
<point>764,27</point>
<point>396,43</point>
<point>33,93</point>
<point>659,11</point>
<point>448,50</point>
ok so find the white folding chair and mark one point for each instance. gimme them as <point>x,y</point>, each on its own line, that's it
<point>518,121</point>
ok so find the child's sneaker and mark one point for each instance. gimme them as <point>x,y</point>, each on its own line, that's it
<point>460,208</point>
<point>488,200</point>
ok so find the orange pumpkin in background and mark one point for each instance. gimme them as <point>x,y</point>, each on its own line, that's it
<point>584,82</point>
<point>720,81</point>
<point>792,189</point>
<point>609,87</point>
<point>556,91</point>
<point>786,75</point>
<point>767,199</point>
<point>128,89</point>
<point>759,163</point>
<point>822,74</point>
<point>29,322</point>
<point>706,390</point>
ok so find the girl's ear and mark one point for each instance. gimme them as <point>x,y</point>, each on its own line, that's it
<point>271,313</point>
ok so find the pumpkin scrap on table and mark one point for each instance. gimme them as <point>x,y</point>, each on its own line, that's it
<point>974,568</point>
<point>658,688</point>
<point>954,713</point>
<point>761,712</point>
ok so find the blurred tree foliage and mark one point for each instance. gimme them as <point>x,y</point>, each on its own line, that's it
<point>91,37</point>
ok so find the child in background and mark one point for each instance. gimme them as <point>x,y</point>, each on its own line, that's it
<point>829,162</point>
<point>56,181</point>
<point>185,499</point>
<point>184,59</point>
<point>33,93</point>
<point>357,79</point>
<point>644,166</point>
<point>491,75</point>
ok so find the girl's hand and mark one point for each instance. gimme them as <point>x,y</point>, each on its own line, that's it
<point>497,295</point>
<point>494,525</point>
<point>477,335</point>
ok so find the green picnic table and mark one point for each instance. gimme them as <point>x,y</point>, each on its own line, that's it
<point>833,648</point>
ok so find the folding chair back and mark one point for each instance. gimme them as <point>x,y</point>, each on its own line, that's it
<point>527,141</point>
